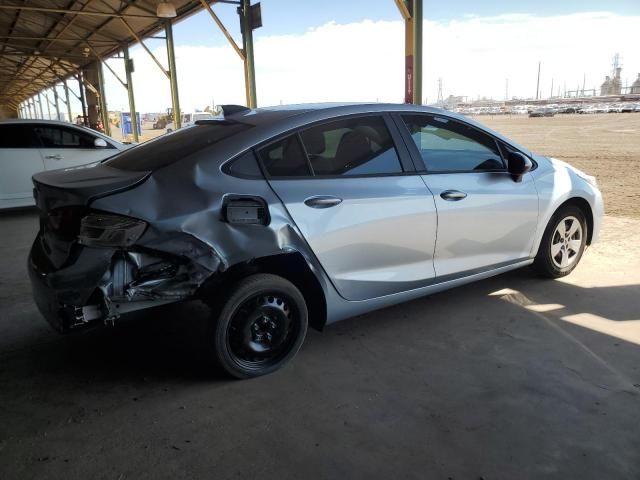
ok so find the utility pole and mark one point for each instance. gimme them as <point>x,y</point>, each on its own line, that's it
<point>506,90</point>
<point>551,94</point>
<point>538,83</point>
<point>584,80</point>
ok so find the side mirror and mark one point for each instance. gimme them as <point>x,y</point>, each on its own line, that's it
<point>100,143</point>
<point>518,165</point>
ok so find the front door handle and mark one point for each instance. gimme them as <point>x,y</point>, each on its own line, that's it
<point>453,195</point>
<point>57,156</point>
<point>322,201</point>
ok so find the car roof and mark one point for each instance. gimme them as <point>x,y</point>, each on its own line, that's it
<point>60,123</point>
<point>37,120</point>
<point>283,117</point>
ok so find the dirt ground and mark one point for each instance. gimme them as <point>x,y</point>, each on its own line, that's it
<point>604,145</point>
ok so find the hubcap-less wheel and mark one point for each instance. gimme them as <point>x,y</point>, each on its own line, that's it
<point>566,242</point>
<point>262,331</point>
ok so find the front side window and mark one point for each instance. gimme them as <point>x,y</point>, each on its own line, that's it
<point>62,137</point>
<point>449,146</point>
<point>17,136</point>
<point>354,146</point>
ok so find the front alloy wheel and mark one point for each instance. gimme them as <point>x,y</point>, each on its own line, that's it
<point>562,244</point>
<point>566,242</point>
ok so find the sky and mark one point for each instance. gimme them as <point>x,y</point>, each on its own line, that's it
<point>309,51</point>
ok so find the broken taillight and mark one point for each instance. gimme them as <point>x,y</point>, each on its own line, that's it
<point>108,230</point>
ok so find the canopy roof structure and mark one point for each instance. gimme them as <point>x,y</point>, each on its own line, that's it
<point>45,41</point>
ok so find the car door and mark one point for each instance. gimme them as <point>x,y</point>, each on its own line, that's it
<point>19,159</point>
<point>485,218</point>
<point>66,146</point>
<point>368,218</point>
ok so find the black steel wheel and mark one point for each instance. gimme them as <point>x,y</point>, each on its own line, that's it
<point>261,326</point>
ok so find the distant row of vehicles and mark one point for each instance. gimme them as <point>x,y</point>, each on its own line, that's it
<point>550,110</point>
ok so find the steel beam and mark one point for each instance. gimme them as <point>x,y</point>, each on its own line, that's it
<point>57,100</point>
<point>46,97</point>
<point>40,105</point>
<point>146,49</point>
<point>228,36</point>
<point>173,77</point>
<point>83,102</point>
<point>66,95</point>
<point>417,56</point>
<point>104,113</point>
<point>249,65</point>
<point>75,12</point>
<point>132,103</point>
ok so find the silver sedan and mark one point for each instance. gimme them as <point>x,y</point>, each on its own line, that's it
<point>295,216</point>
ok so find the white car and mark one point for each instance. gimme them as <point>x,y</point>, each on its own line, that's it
<point>189,119</point>
<point>31,146</point>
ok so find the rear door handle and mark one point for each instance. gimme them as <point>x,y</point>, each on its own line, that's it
<point>57,156</point>
<point>453,195</point>
<point>322,201</point>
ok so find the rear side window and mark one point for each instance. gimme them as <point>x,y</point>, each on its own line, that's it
<point>449,146</point>
<point>62,137</point>
<point>354,146</point>
<point>170,148</point>
<point>285,158</point>
<point>18,136</point>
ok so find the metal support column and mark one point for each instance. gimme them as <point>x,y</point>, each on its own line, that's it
<point>128,68</point>
<point>40,105</point>
<point>247,42</point>
<point>417,55</point>
<point>46,97</point>
<point>57,100</point>
<point>83,101</point>
<point>173,76</point>
<point>104,112</point>
<point>66,95</point>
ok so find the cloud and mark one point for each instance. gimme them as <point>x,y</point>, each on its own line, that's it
<point>364,61</point>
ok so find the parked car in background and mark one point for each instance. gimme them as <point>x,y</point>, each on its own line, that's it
<point>543,112</point>
<point>294,216</point>
<point>189,119</point>
<point>31,146</point>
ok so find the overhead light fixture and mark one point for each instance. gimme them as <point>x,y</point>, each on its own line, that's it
<point>166,10</point>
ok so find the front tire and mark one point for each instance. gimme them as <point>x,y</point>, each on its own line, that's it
<point>562,244</point>
<point>260,326</point>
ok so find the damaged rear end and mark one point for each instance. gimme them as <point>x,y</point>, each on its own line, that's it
<point>88,265</point>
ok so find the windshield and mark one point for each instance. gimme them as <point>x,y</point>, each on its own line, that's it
<point>170,148</point>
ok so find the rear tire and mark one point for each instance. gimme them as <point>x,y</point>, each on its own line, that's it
<point>562,244</point>
<point>260,326</point>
